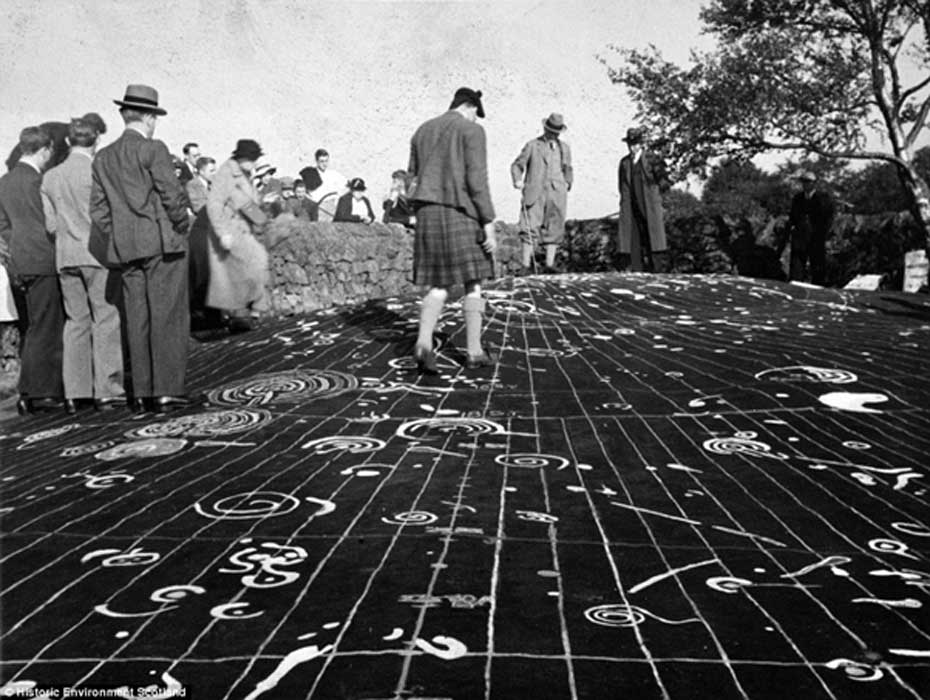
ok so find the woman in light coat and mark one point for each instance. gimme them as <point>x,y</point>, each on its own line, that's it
<point>238,261</point>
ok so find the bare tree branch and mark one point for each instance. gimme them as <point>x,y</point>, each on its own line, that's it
<point>919,124</point>
<point>913,90</point>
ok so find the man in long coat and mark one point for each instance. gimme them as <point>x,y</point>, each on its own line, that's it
<point>543,170</point>
<point>140,206</point>
<point>642,177</point>
<point>238,261</point>
<point>33,274</point>
<point>811,218</point>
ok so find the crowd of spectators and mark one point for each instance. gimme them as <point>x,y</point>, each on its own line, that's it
<point>90,303</point>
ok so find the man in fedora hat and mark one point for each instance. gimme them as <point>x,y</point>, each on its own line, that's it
<point>810,221</point>
<point>455,235</point>
<point>142,209</point>
<point>642,177</point>
<point>543,170</point>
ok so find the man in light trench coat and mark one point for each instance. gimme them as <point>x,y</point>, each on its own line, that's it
<point>543,170</point>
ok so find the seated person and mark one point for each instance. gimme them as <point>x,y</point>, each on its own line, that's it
<point>301,206</point>
<point>354,205</point>
<point>268,187</point>
<point>320,180</point>
<point>279,205</point>
<point>398,209</point>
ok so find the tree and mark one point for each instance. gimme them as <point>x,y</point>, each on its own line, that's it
<point>679,204</point>
<point>738,188</point>
<point>809,76</point>
<point>876,189</point>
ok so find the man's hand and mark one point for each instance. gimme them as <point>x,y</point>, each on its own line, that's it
<point>518,185</point>
<point>490,238</point>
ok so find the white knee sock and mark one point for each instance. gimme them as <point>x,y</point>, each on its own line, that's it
<point>430,309</point>
<point>473,307</point>
<point>550,255</point>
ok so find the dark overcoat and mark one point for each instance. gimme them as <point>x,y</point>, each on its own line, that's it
<point>656,182</point>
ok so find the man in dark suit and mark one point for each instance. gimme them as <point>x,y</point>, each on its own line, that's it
<point>455,234</point>
<point>33,273</point>
<point>642,177</point>
<point>810,220</point>
<point>142,209</point>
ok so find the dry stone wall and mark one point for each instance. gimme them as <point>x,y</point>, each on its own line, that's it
<point>323,264</point>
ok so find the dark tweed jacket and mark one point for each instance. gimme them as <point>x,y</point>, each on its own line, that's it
<point>137,201</point>
<point>448,159</point>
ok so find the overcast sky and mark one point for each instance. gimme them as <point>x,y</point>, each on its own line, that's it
<point>354,77</point>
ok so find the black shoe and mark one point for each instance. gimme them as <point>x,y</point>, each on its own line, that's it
<point>238,324</point>
<point>138,404</point>
<point>71,406</point>
<point>485,359</point>
<point>44,403</point>
<point>163,404</point>
<point>108,403</point>
<point>426,361</point>
<point>23,406</point>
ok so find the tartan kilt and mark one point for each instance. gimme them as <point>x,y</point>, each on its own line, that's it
<point>446,251</point>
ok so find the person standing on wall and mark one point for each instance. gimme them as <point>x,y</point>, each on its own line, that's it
<point>543,170</point>
<point>142,209</point>
<point>93,353</point>
<point>33,275</point>
<point>810,221</point>
<point>642,177</point>
<point>455,235</point>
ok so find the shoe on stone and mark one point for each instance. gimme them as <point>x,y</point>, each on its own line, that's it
<point>44,403</point>
<point>105,403</point>
<point>426,361</point>
<point>240,324</point>
<point>479,361</point>
<point>163,404</point>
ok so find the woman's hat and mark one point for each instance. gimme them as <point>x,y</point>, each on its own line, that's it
<point>555,122</point>
<point>463,95</point>
<point>141,97</point>
<point>356,184</point>
<point>247,149</point>
<point>264,169</point>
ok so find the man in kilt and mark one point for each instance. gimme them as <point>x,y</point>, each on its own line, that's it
<point>455,235</point>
